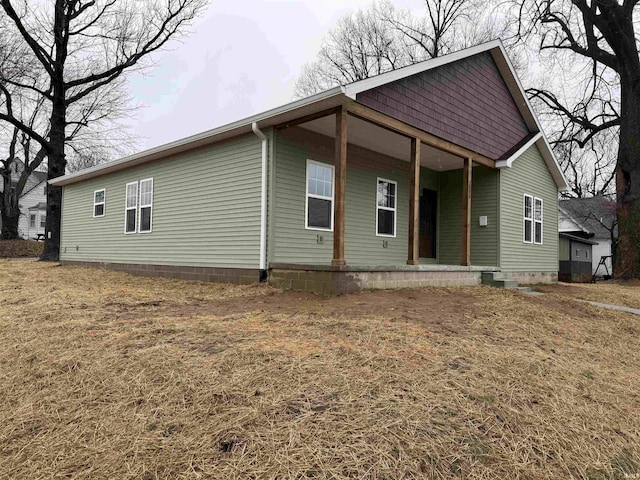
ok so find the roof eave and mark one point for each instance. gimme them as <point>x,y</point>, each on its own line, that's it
<point>240,127</point>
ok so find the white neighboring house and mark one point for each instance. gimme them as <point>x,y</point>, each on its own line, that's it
<point>32,202</point>
<point>591,218</point>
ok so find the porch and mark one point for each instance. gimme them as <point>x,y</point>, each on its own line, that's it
<point>340,279</point>
<point>433,199</point>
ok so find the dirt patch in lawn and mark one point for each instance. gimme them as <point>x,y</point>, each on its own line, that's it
<point>106,375</point>
<point>20,248</point>
<point>444,310</point>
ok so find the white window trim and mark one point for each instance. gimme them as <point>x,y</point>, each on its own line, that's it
<point>103,203</point>
<point>127,208</point>
<point>33,216</point>
<point>541,221</point>
<point>524,219</point>
<point>140,206</point>
<point>394,209</point>
<point>40,217</point>
<point>320,197</point>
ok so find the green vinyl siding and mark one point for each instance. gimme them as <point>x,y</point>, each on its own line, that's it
<point>206,211</point>
<point>293,243</point>
<point>529,174</point>
<point>484,202</point>
<point>450,218</point>
<point>564,251</point>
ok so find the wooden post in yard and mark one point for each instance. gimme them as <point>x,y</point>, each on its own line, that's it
<point>466,211</point>
<point>340,187</point>
<point>414,203</point>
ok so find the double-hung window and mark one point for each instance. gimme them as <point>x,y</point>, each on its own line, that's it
<point>43,221</point>
<point>537,220</point>
<point>528,219</point>
<point>386,208</point>
<point>533,217</point>
<point>32,220</point>
<point>319,208</point>
<point>99,202</point>
<point>146,205</point>
<point>131,208</point>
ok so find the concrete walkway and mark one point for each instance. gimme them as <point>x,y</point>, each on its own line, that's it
<point>614,307</point>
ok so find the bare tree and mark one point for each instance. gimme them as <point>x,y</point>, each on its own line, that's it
<point>599,37</point>
<point>361,45</point>
<point>374,41</point>
<point>81,48</point>
<point>80,161</point>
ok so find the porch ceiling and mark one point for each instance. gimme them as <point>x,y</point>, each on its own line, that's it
<point>368,135</point>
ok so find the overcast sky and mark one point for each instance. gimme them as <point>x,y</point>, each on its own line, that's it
<point>242,57</point>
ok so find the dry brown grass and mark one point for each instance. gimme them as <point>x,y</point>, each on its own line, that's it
<point>104,375</point>
<point>20,248</point>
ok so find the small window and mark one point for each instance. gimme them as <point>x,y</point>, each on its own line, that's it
<point>146,205</point>
<point>586,254</point>
<point>528,219</point>
<point>577,253</point>
<point>98,203</point>
<point>32,220</point>
<point>319,208</point>
<point>43,221</point>
<point>386,208</point>
<point>538,221</point>
<point>131,208</point>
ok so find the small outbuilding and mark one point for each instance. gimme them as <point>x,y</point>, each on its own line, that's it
<point>575,254</point>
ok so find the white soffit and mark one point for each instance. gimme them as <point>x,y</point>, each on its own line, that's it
<point>373,137</point>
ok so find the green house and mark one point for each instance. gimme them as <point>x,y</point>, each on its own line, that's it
<point>433,174</point>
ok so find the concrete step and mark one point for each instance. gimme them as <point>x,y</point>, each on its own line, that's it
<point>498,280</point>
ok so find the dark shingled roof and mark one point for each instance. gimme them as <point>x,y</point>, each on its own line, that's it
<point>39,206</point>
<point>590,212</point>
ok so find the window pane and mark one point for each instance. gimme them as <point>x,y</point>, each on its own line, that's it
<point>146,192</point>
<point>527,230</point>
<point>132,195</point>
<point>99,198</point>
<point>32,221</point>
<point>319,213</point>
<point>538,212</point>
<point>145,219</point>
<point>527,207</point>
<point>131,221</point>
<point>386,194</point>
<point>385,222</point>
<point>320,180</point>
<point>99,210</point>
<point>538,232</point>
<point>43,221</point>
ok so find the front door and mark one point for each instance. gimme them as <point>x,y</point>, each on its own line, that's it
<point>428,217</point>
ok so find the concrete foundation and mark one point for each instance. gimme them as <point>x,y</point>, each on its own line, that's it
<point>240,276</point>
<point>331,280</point>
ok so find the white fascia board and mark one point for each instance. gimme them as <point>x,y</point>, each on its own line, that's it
<point>352,89</point>
<point>509,161</point>
<point>203,138</point>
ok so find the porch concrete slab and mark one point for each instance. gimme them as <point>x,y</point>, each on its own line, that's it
<point>635,311</point>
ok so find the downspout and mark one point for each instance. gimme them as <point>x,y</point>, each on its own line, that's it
<point>263,204</point>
